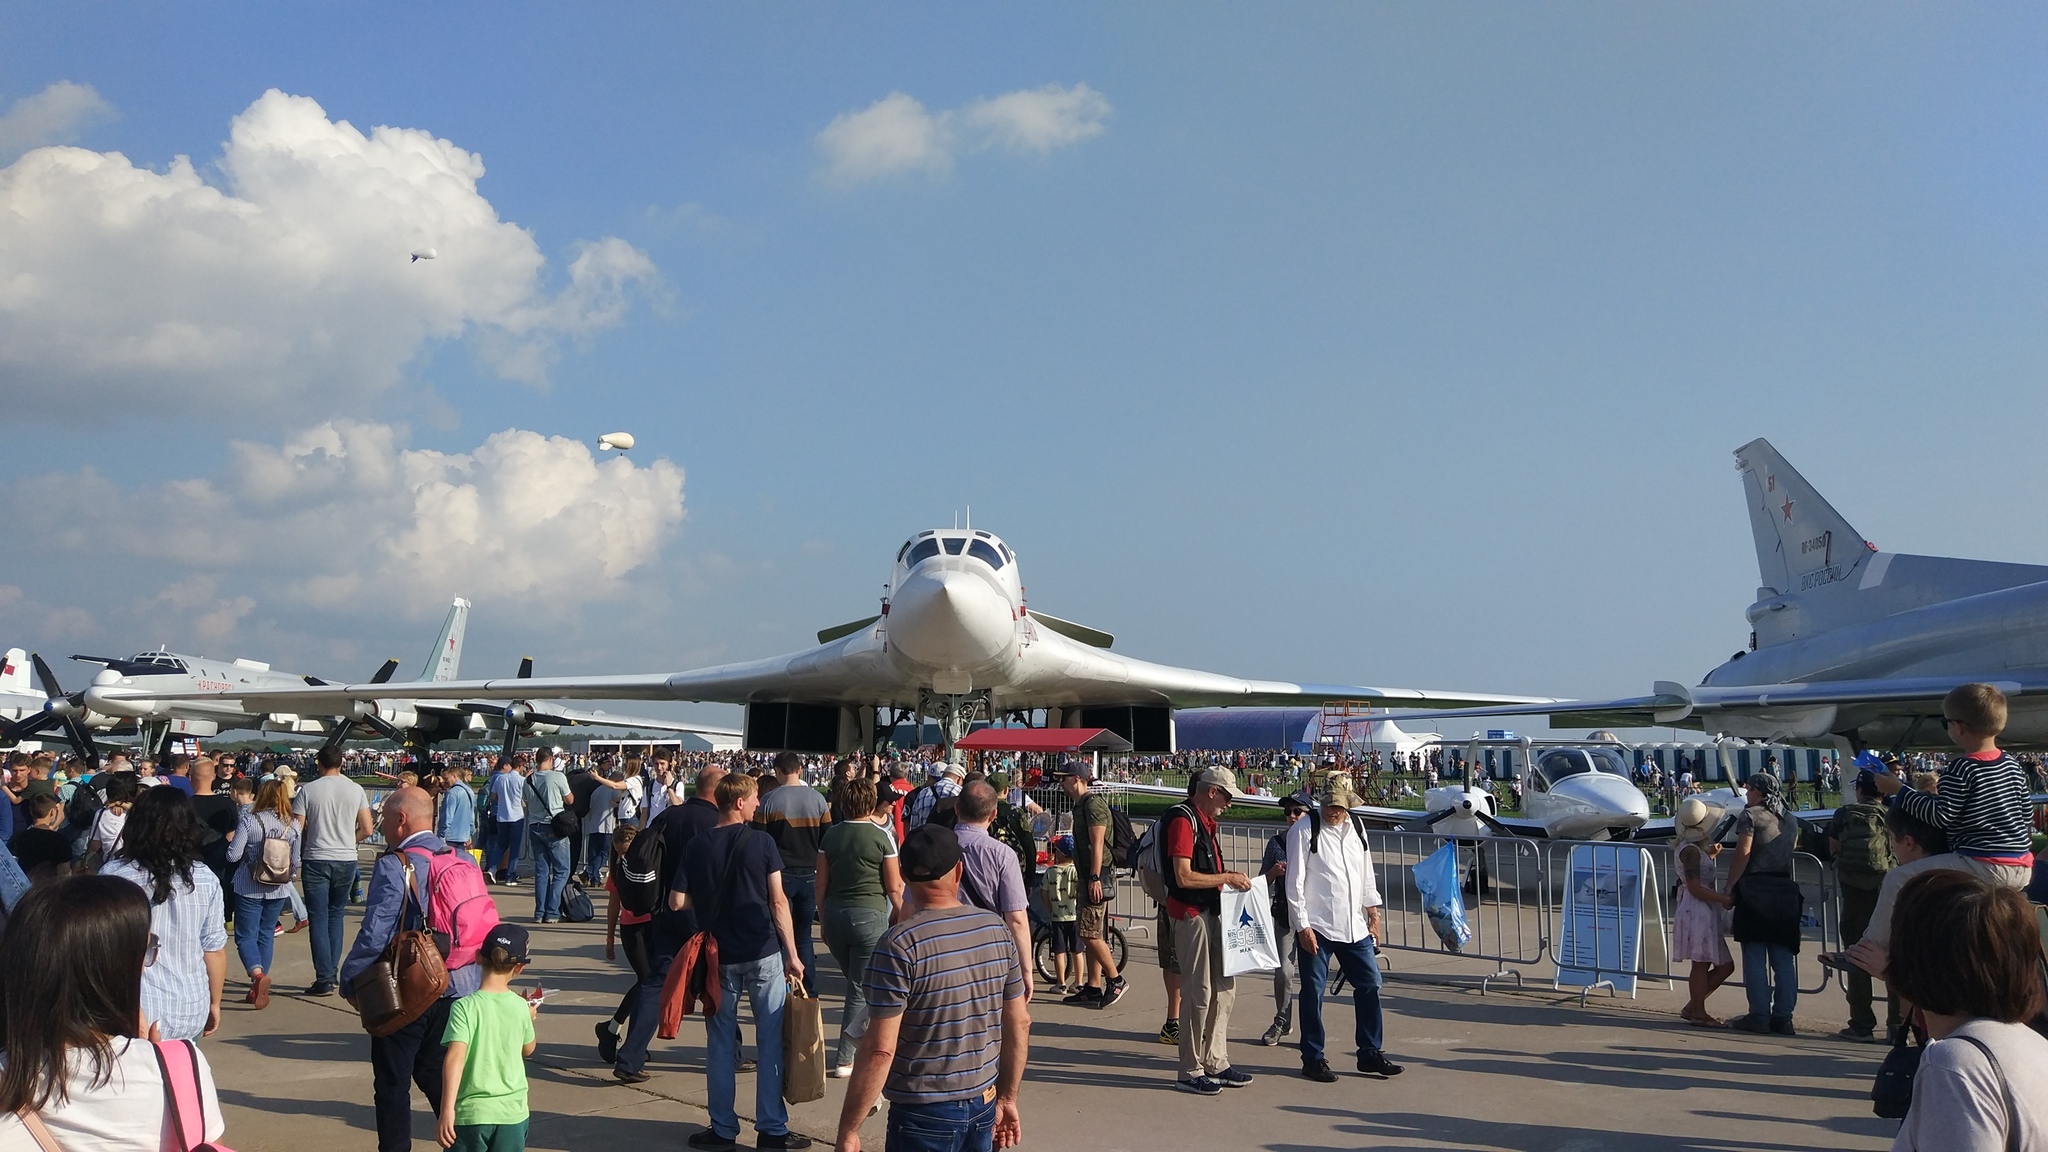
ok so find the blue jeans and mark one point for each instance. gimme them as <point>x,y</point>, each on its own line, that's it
<point>506,841</point>
<point>550,872</point>
<point>255,924</point>
<point>956,1126</point>
<point>1362,969</point>
<point>327,886</point>
<point>766,991</point>
<point>597,852</point>
<point>1766,965</point>
<point>802,890</point>
<point>851,933</point>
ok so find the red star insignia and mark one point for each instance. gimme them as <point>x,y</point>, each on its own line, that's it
<point>1788,509</point>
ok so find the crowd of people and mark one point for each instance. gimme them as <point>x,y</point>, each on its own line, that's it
<point>719,873</point>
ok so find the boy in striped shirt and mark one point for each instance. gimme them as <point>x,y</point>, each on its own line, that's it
<point>1983,804</point>
<point>949,1029</point>
<point>1983,808</point>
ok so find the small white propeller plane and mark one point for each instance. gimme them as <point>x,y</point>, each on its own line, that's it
<point>166,694</point>
<point>953,641</point>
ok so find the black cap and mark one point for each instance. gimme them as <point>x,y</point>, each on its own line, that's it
<point>510,937</point>
<point>929,853</point>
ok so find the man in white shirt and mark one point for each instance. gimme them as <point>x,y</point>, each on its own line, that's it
<point>1334,903</point>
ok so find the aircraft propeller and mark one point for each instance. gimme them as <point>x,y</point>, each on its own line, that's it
<point>516,715</point>
<point>59,710</point>
<point>364,712</point>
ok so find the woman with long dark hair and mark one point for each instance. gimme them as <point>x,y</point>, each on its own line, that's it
<point>160,852</point>
<point>76,1059</point>
<point>266,838</point>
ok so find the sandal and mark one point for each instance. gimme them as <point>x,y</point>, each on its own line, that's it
<point>1702,1020</point>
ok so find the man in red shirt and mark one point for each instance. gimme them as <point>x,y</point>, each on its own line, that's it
<point>1196,875</point>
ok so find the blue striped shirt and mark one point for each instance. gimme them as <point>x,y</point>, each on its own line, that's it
<point>1983,805</point>
<point>175,991</point>
<point>947,972</point>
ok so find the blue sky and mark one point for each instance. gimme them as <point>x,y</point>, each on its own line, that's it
<point>1389,344</point>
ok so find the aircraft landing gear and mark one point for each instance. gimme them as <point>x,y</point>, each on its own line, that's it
<point>955,713</point>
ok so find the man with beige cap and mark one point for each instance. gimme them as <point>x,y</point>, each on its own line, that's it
<point>1333,901</point>
<point>1196,875</point>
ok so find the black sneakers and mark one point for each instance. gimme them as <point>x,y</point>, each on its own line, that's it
<point>1087,996</point>
<point>1319,1071</point>
<point>786,1140</point>
<point>625,1077</point>
<point>1111,993</point>
<point>1231,1078</point>
<point>1200,1086</point>
<point>608,1041</point>
<point>710,1139</point>
<point>1169,1032</point>
<point>1377,1064</point>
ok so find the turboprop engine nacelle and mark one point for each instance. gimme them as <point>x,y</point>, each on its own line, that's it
<point>1461,803</point>
<point>397,713</point>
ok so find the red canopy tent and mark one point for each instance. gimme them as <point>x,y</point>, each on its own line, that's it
<point>1044,740</point>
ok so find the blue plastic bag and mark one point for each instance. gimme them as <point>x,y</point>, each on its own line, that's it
<point>1436,878</point>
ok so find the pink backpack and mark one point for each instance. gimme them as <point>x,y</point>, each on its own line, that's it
<point>182,1098</point>
<point>459,907</point>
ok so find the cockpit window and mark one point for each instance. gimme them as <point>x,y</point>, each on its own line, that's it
<point>954,545</point>
<point>1562,762</point>
<point>922,551</point>
<point>160,660</point>
<point>980,550</point>
<point>901,551</point>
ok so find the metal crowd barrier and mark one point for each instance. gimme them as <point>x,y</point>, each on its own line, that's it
<point>1515,903</point>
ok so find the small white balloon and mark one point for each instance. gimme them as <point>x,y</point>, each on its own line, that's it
<point>620,440</point>
<point>419,254</point>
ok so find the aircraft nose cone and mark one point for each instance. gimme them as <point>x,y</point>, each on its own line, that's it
<point>950,620</point>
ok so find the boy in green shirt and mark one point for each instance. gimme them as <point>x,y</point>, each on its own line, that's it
<point>489,1036</point>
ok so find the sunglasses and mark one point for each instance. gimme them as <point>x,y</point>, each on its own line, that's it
<point>149,957</point>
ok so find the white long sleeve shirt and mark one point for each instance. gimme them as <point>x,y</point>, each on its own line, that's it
<point>1330,889</point>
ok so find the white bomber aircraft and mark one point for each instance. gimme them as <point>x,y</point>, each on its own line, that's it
<point>953,640</point>
<point>166,694</point>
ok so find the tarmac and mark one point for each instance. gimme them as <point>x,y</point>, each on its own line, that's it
<point>1505,1069</point>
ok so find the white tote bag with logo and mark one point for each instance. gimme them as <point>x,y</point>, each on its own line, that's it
<point>1248,944</point>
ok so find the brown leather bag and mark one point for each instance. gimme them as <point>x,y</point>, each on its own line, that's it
<point>410,975</point>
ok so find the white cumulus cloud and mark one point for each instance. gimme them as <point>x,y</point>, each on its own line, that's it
<point>53,116</point>
<point>287,284</point>
<point>897,135</point>
<point>343,521</point>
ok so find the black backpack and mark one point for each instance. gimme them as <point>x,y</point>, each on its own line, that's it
<point>1118,842</point>
<point>576,905</point>
<point>642,876</point>
<point>85,803</point>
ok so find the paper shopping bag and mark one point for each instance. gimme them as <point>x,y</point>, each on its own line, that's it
<point>803,1046</point>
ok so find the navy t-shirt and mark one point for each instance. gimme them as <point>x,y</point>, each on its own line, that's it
<point>739,919</point>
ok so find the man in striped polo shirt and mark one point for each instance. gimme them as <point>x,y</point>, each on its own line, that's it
<point>949,1027</point>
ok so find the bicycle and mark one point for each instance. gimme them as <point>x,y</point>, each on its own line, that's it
<point>1041,945</point>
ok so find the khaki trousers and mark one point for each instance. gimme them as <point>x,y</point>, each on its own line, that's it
<point>1206,995</point>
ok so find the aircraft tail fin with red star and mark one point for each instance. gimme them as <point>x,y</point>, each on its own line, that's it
<point>1817,573</point>
<point>1802,543</point>
<point>446,659</point>
<point>14,679</point>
